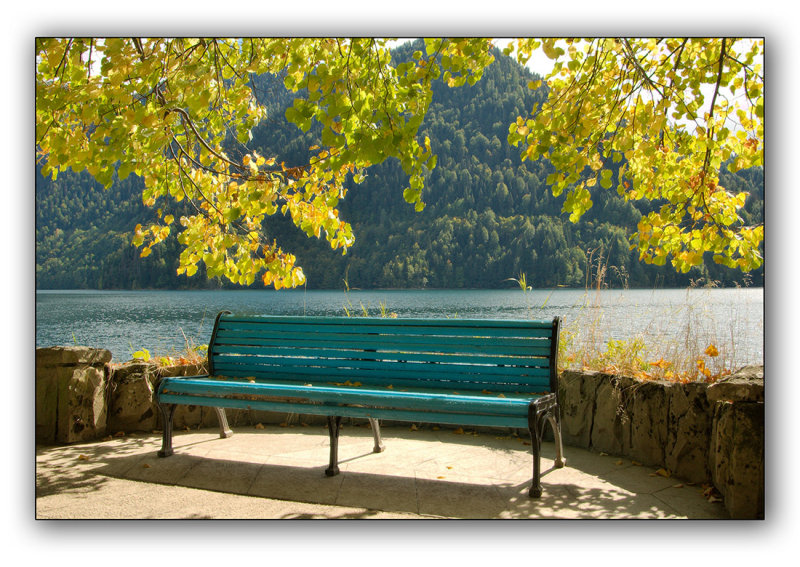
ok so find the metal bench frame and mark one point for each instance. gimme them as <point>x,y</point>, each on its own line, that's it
<point>301,364</point>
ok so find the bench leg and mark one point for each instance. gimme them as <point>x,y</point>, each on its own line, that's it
<point>167,413</point>
<point>535,429</point>
<point>333,432</point>
<point>376,435</point>
<point>555,423</point>
<point>224,430</point>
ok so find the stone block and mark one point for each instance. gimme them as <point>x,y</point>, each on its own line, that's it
<point>738,457</point>
<point>649,415</point>
<point>689,428</point>
<point>72,356</point>
<point>70,394</point>
<point>131,406</point>
<point>611,427</point>
<point>577,392</point>
<point>744,385</point>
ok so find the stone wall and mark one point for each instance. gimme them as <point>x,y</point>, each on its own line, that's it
<point>698,432</point>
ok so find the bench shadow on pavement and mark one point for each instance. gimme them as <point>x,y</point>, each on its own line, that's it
<point>396,488</point>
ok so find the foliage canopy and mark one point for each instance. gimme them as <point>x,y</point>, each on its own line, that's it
<point>170,110</point>
<point>180,114</point>
<point>676,110</point>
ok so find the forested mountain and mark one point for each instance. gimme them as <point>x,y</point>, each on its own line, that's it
<point>489,216</point>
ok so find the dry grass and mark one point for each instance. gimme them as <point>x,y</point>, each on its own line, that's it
<point>694,353</point>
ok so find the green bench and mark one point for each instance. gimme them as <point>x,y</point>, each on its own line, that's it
<point>489,373</point>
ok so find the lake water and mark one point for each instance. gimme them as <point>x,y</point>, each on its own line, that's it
<point>165,321</point>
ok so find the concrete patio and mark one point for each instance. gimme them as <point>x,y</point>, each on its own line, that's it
<point>278,473</point>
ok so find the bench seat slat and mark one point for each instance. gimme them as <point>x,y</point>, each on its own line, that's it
<point>352,411</point>
<point>422,400</point>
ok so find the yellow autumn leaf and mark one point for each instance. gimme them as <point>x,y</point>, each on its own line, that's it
<point>712,351</point>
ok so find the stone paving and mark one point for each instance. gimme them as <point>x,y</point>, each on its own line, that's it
<point>278,473</point>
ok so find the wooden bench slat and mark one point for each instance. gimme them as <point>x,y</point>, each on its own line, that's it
<point>388,370</point>
<point>371,327</point>
<point>366,377</point>
<point>257,353</point>
<point>402,322</point>
<point>416,416</point>
<point>497,345</point>
<point>427,398</point>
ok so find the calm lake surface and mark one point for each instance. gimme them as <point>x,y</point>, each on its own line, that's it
<point>164,322</point>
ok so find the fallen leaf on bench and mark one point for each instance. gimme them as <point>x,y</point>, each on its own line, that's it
<point>500,396</point>
<point>449,468</point>
<point>440,477</point>
<point>485,392</point>
<point>356,384</point>
<point>390,387</point>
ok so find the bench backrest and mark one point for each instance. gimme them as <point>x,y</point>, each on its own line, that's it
<point>477,354</point>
